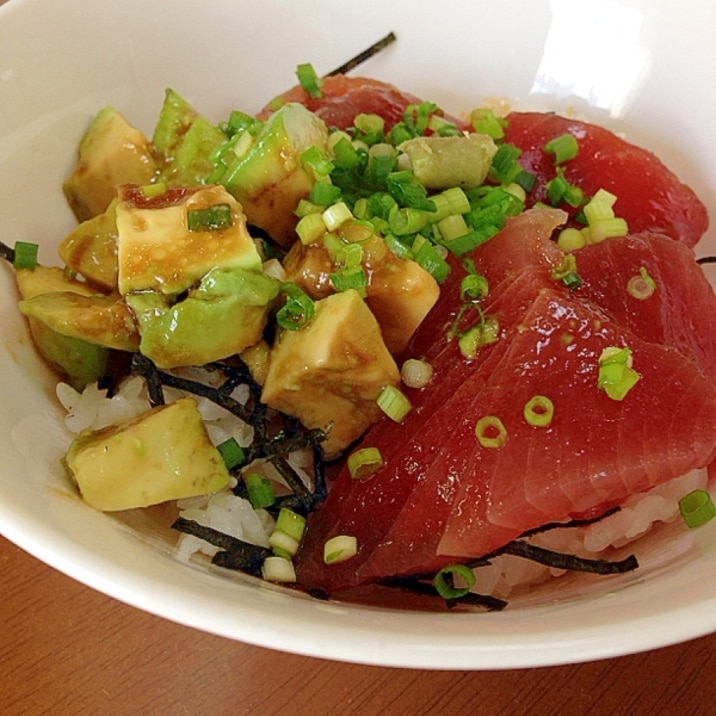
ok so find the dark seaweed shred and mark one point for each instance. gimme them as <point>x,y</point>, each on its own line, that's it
<point>361,57</point>
<point>417,585</point>
<point>706,260</point>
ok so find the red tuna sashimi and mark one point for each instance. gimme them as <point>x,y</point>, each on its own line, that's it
<point>681,311</point>
<point>524,243</point>
<point>369,506</point>
<point>649,195</point>
<point>345,97</point>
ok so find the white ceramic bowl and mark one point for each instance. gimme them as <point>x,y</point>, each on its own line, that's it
<point>638,67</point>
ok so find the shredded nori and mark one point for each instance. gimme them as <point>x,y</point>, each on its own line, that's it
<point>361,57</point>
<point>235,554</point>
<point>416,585</point>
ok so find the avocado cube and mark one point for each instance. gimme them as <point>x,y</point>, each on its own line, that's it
<point>268,178</point>
<point>112,152</point>
<point>91,249</point>
<point>73,359</point>
<point>164,454</point>
<point>329,373</point>
<point>157,251</point>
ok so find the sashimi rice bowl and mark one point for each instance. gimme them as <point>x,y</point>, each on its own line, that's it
<point>358,346</point>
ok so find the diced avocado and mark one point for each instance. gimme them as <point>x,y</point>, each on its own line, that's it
<point>400,293</point>
<point>268,178</point>
<point>91,249</point>
<point>198,295</point>
<point>97,319</point>
<point>112,152</point>
<point>165,454</point>
<point>442,162</point>
<point>158,251</point>
<point>330,373</point>
<point>222,316</point>
<point>184,142</point>
<point>74,360</point>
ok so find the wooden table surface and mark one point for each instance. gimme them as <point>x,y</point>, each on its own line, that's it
<point>69,650</point>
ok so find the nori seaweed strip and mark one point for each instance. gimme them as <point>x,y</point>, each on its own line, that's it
<point>243,555</point>
<point>706,260</point>
<point>294,482</point>
<point>559,560</point>
<point>417,586</point>
<point>374,49</point>
<point>206,391</point>
<point>283,445</point>
<point>146,368</point>
<point>7,253</point>
<point>572,523</point>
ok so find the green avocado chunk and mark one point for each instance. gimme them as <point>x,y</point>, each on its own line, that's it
<point>268,178</point>
<point>73,359</point>
<point>222,316</point>
<point>184,142</point>
<point>111,152</point>
<point>164,454</point>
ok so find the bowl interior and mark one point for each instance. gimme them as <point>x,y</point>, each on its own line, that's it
<point>546,55</point>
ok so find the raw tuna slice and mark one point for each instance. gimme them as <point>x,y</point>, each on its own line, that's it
<point>597,451</point>
<point>680,311</point>
<point>344,97</point>
<point>650,196</point>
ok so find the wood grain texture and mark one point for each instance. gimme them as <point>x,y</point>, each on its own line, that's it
<point>69,650</point>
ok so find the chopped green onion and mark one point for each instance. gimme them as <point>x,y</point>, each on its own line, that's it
<point>406,220</point>
<point>474,286</point>
<point>310,228</point>
<point>25,256</point>
<point>336,215</point>
<point>318,161</point>
<point>485,333</point>
<point>490,432</point>
<point>560,190</point>
<point>349,255</point>
<point>485,121</point>
<point>290,522</point>
<point>278,569</point>
<point>309,80</point>
<point>364,462</point>
<point>539,411</point>
<point>600,207</point>
<point>298,309</point>
<point>571,239</point>
<point>213,218</point>
<point>156,189</point>
<point>606,229</point>
<point>394,403</point>
<point>397,247</point>
<point>324,194</point>
<point>260,489</point>
<point>339,549</point>
<point>427,256</point>
<point>444,581</point>
<point>416,373</point>
<point>370,127</point>
<point>566,272</point>
<point>505,167</point>
<point>232,453</point>
<point>616,375</point>
<point>697,508</point>
<point>450,202</point>
<point>349,278</point>
<point>306,207</point>
<point>408,192</point>
<point>642,286</point>
<point>452,227</point>
<point>564,148</point>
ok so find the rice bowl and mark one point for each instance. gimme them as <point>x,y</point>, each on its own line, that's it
<point>47,110</point>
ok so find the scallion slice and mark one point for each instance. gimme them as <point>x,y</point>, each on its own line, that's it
<point>350,278</point>
<point>364,462</point>
<point>641,286</point>
<point>490,432</point>
<point>539,411</point>
<point>394,403</point>
<point>340,548</point>
<point>278,569</point>
<point>697,508</point>
<point>298,309</point>
<point>336,215</point>
<point>232,453</point>
<point>444,581</point>
<point>616,375</point>
<point>260,489</point>
<point>25,255</point>
<point>564,148</point>
<point>309,80</point>
<point>416,373</point>
<point>213,218</point>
